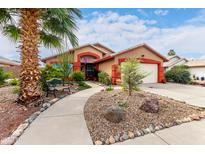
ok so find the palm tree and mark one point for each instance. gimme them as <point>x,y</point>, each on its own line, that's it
<point>31,28</point>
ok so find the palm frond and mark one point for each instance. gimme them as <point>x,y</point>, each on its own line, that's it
<point>50,40</point>
<point>6,16</point>
<point>62,23</point>
<point>12,31</point>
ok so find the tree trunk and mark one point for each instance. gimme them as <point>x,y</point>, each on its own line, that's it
<point>30,91</point>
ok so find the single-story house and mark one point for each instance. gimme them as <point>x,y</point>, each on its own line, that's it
<point>197,69</point>
<point>10,66</point>
<point>96,56</point>
<point>174,60</point>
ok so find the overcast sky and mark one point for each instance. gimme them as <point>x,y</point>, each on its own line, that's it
<point>180,29</point>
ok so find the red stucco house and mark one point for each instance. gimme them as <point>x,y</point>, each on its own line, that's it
<point>96,56</point>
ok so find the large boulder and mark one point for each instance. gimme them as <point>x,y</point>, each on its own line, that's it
<point>114,114</point>
<point>150,106</point>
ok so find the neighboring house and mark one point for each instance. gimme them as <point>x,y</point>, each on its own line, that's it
<point>197,69</point>
<point>10,65</point>
<point>91,57</point>
<point>174,61</point>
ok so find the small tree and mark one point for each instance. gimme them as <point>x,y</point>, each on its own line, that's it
<point>131,75</point>
<point>65,61</point>
<point>171,52</point>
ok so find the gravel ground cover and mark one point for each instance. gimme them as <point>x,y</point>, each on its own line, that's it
<point>13,114</point>
<point>135,119</point>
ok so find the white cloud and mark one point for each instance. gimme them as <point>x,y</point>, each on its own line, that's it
<point>142,12</point>
<point>123,31</point>
<point>161,12</point>
<point>199,19</point>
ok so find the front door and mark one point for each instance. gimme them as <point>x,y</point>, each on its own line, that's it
<point>89,70</point>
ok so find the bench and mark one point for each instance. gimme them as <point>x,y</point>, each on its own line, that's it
<point>54,85</point>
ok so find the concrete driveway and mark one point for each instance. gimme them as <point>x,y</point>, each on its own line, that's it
<point>194,95</point>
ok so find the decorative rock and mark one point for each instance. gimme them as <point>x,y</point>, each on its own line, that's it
<point>98,142</point>
<point>202,115</point>
<point>121,139</point>
<point>131,134</point>
<point>19,130</point>
<point>107,141</point>
<point>54,100</point>
<point>47,105</point>
<point>151,127</point>
<point>111,140</point>
<point>167,125</point>
<point>174,123</point>
<point>195,117</point>
<point>102,140</point>
<point>150,106</point>
<point>37,113</point>
<point>117,138</point>
<point>138,133</point>
<point>32,118</point>
<point>125,136</point>
<point>42,109</point>
<point>178,121</point>
<point>23,126</point>
<point>157,128</point>
<point>9,140</point>
<point>114,114</point>
<point>146,131</point>
<point>142,133</point>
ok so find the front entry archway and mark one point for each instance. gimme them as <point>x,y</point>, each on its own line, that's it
<point>85,63</point>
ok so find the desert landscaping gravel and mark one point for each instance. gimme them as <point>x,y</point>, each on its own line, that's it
<point>135,119</point>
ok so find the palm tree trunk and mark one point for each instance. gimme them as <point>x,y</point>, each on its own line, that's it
<point>30,90</point>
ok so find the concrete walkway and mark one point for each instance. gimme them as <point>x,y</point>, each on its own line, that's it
<point>62,123</point>
<point>192,133</point>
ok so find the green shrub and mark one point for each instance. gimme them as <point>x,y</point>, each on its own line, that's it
<point>16,90</point>
<point>122,104</point>
<point>82,85</point>
<point>49,72</point>
<point>78,76</point>
<point>104,78</point>
<point>110,88</point>
<point>3,76</point>
<point>178,74</point>
<point>14,82</point>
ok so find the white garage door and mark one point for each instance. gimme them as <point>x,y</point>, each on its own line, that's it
<point>152,72</point>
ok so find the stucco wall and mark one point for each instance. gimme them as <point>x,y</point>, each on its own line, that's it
<point>106,66</point>
<point>137,53</point>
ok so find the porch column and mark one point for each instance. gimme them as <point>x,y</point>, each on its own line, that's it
<point>114,73</point>
<point>76,66</point>
<point>161,78</point>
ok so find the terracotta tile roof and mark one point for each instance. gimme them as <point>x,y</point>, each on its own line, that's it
<point>82,46</point>
<point>196,63</point>
<point>129,49</point>
<point>168,64</point>
<point>6,61</point>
